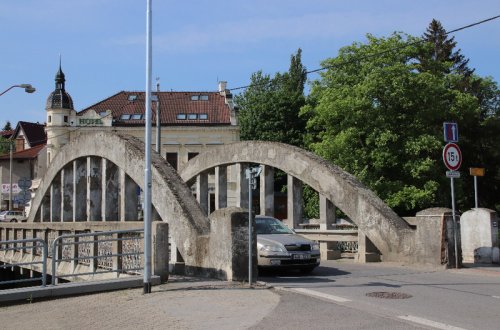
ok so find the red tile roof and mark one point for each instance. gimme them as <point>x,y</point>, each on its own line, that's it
<point>6,134</point>
<point>171,105</point>
<point>30,153</point>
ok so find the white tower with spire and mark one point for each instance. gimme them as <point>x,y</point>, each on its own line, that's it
<point>59,109</point>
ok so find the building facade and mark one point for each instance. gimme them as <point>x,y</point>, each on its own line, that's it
<point>188,122</point>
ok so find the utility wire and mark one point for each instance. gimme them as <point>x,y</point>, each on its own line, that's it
<point>338,64</point>
<point>385,51</point>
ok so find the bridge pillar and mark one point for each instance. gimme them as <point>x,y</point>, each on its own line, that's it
<point>94,189</point>
<point>80,190</point>
<point>45,209</point>
<point>128,198</point>
<point>202,191</point>
<point>267,190</point>
<point>67,193</point>
<point>55,199</point>
<point>220,187</point>
<point>110,191</point>
<point>295,210</point>
<point>241,185</point>
<point>326,213</point>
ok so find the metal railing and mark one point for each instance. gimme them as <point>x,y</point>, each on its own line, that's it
<point>97,253</point>
<point>24,246</point>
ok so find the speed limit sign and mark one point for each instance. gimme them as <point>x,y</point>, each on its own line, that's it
<point>452,156</point>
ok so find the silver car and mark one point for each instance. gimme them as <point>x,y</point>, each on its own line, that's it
<point>279,247</point>
<point>12,216</point>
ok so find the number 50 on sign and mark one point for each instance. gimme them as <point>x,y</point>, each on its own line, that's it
<point>452,156</point>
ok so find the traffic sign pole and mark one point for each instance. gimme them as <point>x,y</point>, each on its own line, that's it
<point>452,157</point>
<point>454,221</point>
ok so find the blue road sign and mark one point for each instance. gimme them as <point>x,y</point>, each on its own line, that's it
<point>450,131</point>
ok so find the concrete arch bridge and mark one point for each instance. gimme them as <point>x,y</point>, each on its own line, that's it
<point>96,177</point>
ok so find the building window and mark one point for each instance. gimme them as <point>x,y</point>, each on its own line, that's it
<point>181,116</point>
<point>191,155</point>
<point>192,116</point>
<point>125,117</point>
<point>203,116</point>
<point>132,97</point>
<point>136,117</point>
<point>49,119</point>
<point>199,97</point>
<point>172,159</point>
<point>65,119</point>
<point>103,113</point>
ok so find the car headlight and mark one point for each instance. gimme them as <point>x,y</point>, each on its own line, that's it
<point>315,246</point>
<point>272,248</point>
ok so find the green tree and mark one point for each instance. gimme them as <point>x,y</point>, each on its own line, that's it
<point>7,126</point>
<point>377,115</point>
<point>4,146</point>
<point>440,54</point>
<point>269,108</point>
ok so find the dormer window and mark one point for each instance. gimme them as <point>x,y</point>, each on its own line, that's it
<point>181,116</point>
<point>125,117</point>
<point>132,97</point>
<point>200,97</point>
<point>192,116</point>
<point>203,116</point>
<point>136,117</point>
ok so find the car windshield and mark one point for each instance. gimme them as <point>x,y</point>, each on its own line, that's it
<point>267,226</point>
<point>3,212</point>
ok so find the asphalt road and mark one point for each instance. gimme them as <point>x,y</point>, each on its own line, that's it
<point>337,295</point>
<point>342,295</point>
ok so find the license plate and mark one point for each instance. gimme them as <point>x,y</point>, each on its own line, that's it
<point>301,256</point>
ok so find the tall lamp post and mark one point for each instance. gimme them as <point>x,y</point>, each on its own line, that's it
<point>28,89</point>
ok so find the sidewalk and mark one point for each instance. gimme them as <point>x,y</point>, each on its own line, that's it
<point>182,303</point>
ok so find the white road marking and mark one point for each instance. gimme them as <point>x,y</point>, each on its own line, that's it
<point>320,295</point>
<point>429,323</point>
<point>498,297</point>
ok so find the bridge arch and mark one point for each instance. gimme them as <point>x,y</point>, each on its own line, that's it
<point>171,198</point>
<point>374,218</point>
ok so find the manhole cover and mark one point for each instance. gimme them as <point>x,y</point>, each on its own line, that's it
<point>389,295</point>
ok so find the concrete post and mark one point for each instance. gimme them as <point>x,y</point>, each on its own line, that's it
<point>267,190</point>
<point>202,191</point>
<point>295,210</point>
<point>131,199</point>
<point>121,212</point>
<point>55,199</point>
<point>80,190</point>
<point>117,249</point>
<point>220,187</point>
<point>479,236</point>
<point>128,197</point>
<point>67,193</point>
<point>104,164</point>
<point>160,250</point>
<point>45,209</point>
<point>111,192</point>
<point>94,189</point>
<point>326,213</point>
<point>241,186</point>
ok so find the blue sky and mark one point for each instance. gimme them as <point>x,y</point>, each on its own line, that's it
<point>197,43</point>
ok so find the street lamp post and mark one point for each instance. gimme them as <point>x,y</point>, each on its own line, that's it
<point>28,89</point>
